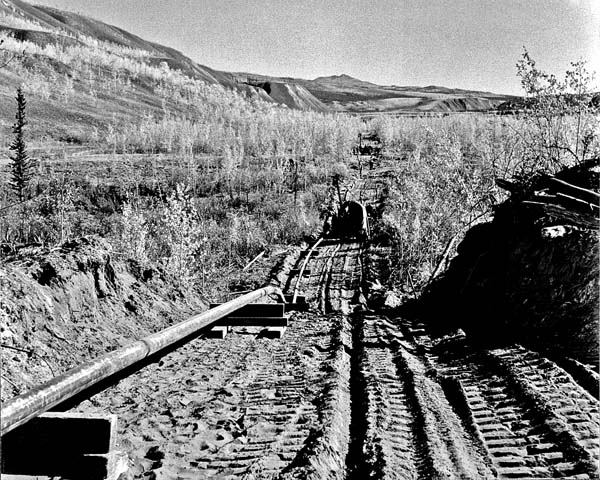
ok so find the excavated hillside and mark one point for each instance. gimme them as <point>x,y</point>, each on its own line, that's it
<point>295,96</point>
<point>62,306</point>
<point>531,275</point>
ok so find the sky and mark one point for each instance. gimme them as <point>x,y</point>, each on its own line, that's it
<point>471,44</point>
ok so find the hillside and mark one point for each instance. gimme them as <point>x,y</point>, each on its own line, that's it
<point>49,25</point>
<point>348,94</point>
<point>45,26</point>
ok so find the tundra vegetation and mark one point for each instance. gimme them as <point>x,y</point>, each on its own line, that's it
<point>197,179</point>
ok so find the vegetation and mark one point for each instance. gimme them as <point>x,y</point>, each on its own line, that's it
<point>445,181</point>
<point>21,166</point>
<point>201,178</point>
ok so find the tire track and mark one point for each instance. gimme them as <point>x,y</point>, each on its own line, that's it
<point>515,430</point>
<point>410,430</point>
<point>389,446</point>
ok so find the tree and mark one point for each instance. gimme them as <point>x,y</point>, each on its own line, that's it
<point>22,166</point>
<point>560,118</point>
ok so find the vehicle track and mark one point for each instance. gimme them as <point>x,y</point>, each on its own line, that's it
<point>244,406</point>
<point>389,441</point>
<point>519,428</point>
<point>410,430</point>
<point>227,408</point>
<point>335,277</point>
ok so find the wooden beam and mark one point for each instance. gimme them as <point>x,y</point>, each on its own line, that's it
<point>61,444</point>
<point>574,191</point>
<point>274,332</point>
<point>296,271</point>
<point>300,305</point>
<point>299,298</point>
<point>217,332</point>
<point>254,260</point>
<point>257,310</point>
<point>253,322</point>
<point>569,201</point>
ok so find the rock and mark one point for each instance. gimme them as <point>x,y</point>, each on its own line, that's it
<point>154,453</point>
<point>391,300</point>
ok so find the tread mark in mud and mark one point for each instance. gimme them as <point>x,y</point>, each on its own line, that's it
<point>521,443</point>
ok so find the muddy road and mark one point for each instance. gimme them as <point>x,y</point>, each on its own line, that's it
<point>347,393</point>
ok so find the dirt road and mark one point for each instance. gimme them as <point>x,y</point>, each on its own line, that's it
<point>351,394</point>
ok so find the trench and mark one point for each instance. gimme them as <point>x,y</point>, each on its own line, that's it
<point>356,462</point>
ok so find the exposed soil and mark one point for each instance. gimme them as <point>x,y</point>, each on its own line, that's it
<point>347,393</point>
<point>74,303</point>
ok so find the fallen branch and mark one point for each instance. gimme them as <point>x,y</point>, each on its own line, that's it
<point>574,191</point>
<point>254,260</point>
<point>443,259</point>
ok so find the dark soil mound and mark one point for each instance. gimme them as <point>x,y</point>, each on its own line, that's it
<point>530,275</point>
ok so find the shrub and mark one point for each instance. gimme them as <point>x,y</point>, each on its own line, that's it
<point>561,122</point>
<point>181,236</point>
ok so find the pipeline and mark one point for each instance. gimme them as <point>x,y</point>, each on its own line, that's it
<point>23,408</point>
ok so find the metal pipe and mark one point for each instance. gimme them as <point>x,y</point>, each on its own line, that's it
<point>301,272</point>
<point>22,408</point>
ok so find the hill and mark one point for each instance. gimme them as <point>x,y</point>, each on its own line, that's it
<point>348,94</point>
<point>85,75</point>
<point>44,25</point>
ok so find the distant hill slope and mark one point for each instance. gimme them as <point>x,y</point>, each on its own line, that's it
<point>57,22</point>
<point>295,96</point>
<point>345,93</point>
<point>43,25</point>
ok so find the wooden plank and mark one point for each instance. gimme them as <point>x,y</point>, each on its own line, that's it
<point>69,445</point>
<point>253,322</point>
<point>300,305</point>
<point>274,332</point>
<point>296,307</point>
<point>575,191</point>
<point>217,332</point>
<point>257,310</point>
<point>299,298</point>
<point>254,260</point>
<point>296,271</point>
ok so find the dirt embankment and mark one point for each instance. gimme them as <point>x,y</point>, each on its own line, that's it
<point>531,275</point>
<point>63,306</point>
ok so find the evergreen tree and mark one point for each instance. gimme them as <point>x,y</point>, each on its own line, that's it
<point>22,166</point>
